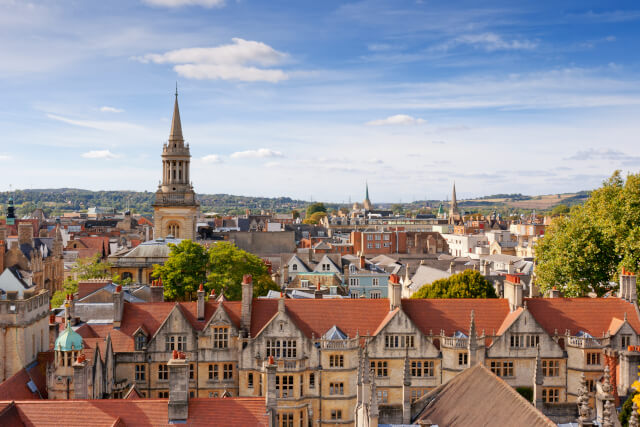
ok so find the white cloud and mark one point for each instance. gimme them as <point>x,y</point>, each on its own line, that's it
<point>256,154</point>
<point>180,3</point>
<point>489,42</point>
<point>4,157</point>
<point>235,61</point>
<point>229,72</point>
<point>272,165</point>
<point>212,158</point>
<point>96,124</point>
<point>107,109</point>
<point>100,154</point>
<point>240,52</point>
<point>398,119</point>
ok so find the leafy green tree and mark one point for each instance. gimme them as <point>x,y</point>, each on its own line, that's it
<point>468,284</point>
<point>627,408</point>
<point>560,209</point>
<point>397,209</point>
<point>91,268</point>
<point>228,264</point>
<point>295,214</point>
<point>584,251</point>
<point>184,270</point>
<point>83,269</point>
<point>70,286</point>
<point>314,218</point>
<point>315,207</point>
<point>574,256</point>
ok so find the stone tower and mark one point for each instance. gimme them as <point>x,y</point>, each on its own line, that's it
<point>176,209</point>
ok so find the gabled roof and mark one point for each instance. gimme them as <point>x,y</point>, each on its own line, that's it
<point>316,316</point>
<point>150,317</point>
<point>11,280</point>
<point>334,334</point>
<point>297,260</point>
<point>592,315</point>
<point>451,315</point>
<point>238,411</point>
<point>479,398</point>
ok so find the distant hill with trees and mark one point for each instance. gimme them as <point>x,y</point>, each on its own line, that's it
<point>56,201</point>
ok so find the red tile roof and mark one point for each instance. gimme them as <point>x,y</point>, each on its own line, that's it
<point>592,315</point>
<point>317,316</point>
<point>241,411</point>
<point>86,288</point>
<point>15,387</point>
<point>451,315</point>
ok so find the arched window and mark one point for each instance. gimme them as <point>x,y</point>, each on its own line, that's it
<point>174,229</point>
<point>294,267</point>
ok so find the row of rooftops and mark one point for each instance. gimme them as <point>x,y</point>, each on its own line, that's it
<point>366,317</point>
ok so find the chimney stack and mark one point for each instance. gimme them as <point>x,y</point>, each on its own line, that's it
<point>486,270</point>
<point>363,261</point>
<point>247,302</point>
<point>395,292</point>
<point>118,306</point>
<point>271,401</point>
<point>157,291</point>
<point>178,388</point>
<point>200,302</point>
<point>627,289</point>
<point>53,328</point>
<point>554,293</point>
<point>513,291</point>
<point>25,233</point>
<point>80,386</point>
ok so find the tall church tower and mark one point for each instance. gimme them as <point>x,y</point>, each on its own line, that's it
<point>176,209</point>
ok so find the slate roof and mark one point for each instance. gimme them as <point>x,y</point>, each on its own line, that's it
<point>239,411</point>
<point>477,397</point>
<point>425,274</point>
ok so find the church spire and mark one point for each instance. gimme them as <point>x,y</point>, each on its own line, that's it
<point>176,126</point>
<point>367,202</point>
<point>454,200</point>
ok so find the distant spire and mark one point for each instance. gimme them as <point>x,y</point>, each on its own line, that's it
<point>454,199</point>
<point>176,125</point>
<point>367,202</point>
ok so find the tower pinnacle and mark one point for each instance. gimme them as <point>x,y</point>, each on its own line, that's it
<point>176,126</point>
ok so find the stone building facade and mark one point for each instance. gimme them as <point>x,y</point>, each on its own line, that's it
<point>408,346</point>
<point>24,329</point>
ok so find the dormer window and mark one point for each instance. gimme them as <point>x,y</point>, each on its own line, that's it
<point>352,268</point>
<point>141,341</point>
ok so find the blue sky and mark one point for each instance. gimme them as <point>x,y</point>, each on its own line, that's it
<point>310,99</point>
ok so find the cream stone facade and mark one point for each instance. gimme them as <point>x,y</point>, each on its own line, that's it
<point>328,356</point>
<point>176,208</point>
<point>24,329</point>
